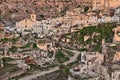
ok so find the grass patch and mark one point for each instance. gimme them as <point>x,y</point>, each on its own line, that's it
<point>60,57</point>
<point>26,46</point>
<point>13,49</point>
<point>104,31</point>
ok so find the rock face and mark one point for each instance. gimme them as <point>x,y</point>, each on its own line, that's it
<point>16,10</point>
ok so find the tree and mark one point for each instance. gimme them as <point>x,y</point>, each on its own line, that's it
<point>13,49</point>
<point>86,9</point>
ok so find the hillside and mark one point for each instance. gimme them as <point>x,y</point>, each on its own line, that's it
<point>15,10</point>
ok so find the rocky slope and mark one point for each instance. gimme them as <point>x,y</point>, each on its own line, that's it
<point>15,10</point>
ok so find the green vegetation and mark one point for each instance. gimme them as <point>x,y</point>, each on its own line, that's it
<point>102,31</point>
<point>5,40</point>
<point>86,8</point>
<point>83,49</point>
<point>97,47</point>
<point>7,59</point>
<point>70,54</point>
<point>34,67</point>
<point>13,49</point>
<point>13,40</point>
<point>71,64</point>
<point>48,67</point>
<point>105,31</point>
<point>63,12</point>
<point>61,57</point>
<point>50,54</point>
<point>34,45</point>
<point>42,17</point>
<point>26,46</point>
